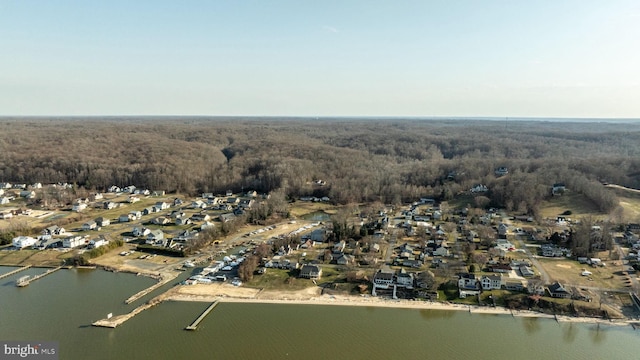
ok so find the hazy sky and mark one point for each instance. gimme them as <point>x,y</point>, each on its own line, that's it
<point>362,57</point>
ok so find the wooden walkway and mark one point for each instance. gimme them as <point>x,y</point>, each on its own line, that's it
<point>166,278</point>
<point>28,281</point>
<point>204,314</point>
<point>14,272</point>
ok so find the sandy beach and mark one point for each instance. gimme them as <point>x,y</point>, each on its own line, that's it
<point>311,296</point>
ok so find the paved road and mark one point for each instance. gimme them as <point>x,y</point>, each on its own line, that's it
<point>545,276</point>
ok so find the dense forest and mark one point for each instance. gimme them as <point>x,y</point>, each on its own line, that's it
<point>386,160</point>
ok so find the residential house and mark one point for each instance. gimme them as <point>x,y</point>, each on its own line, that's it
<point>140,231</point>
<point>160,220</point>
<point>468,285</point>
<point>161,205</point>
<point>114,189</point>
<point>198,204</point>
<point>28,194</point>
<point>156,237</point>
<point>207,225</point>
<point>558,291</point>
<point>73,241</point>
<point>345,259</point>
<point>491,282</point>
<point>53,230</point>
<point>526,271</point>
<point>102,221</point>
<point>136,214</point>
<point>501,171</point>
<point>310,272</point>
<point>558,189</point>
<point>479,188</point>
<point>405,279</point>
<point>96,243</point>
<point>246,203</point>
<point>441,251</point>
<point>200,217</point>
<point>108,205</point>
<point>178,202</point>
<point>126,218</point>
<point>158,193</point>
<point>4,200</point>
<point>412,263</point>
<point>133,199</point>
<point>148,210</point>
<point>514,285</point>
<point>22,242</point>
<point>183,221</point>
<point>89,225</point>
<point>227,217</point>
<point>78,207</point>
<point>383,279</point>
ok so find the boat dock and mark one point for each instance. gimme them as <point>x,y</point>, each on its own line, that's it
<point>204,314</point>
<point>26,280</point>
<point>14,271</point>
<point>165,279</point>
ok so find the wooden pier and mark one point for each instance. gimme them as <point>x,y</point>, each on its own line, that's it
<point>204,314</point>
<point>165,279</point>
<point>14,271</point>
<point>25,280</point>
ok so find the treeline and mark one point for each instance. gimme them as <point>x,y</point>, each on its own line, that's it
<point>390,161</point>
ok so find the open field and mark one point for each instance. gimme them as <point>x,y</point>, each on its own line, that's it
<point>568,272</point>
<point>301,208</point>
<point>34,257</point>
<point>576,203</point>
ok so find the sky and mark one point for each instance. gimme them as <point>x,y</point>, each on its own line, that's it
<point>463,58</point>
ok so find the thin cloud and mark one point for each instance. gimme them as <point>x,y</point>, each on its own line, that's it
<point>330,29</point>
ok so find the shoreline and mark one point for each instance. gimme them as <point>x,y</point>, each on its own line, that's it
<point>343,300</point>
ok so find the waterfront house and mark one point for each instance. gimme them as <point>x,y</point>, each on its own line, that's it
<point>73,241</point>
<point>491,282</point>
<point>468,285</point>
<point>556,290</point>
<point>405,279</point>
<point>22,242</point>
<point>383,279</point>
<point>310,272</point>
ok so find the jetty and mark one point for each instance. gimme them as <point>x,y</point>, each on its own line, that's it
<point>194,325</point>
<point>26,280</point>
<point>14,271</point>
<point>165,279</point>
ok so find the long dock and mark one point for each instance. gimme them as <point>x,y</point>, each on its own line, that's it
<point>165,279</point>
<point>204,314</point>
<point>24,281</point>
<point>14,271</point>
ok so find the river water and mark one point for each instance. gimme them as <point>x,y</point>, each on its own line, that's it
<point>61,307</point>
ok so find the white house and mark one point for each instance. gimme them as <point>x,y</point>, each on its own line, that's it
<point>491,282</point>
<point>96,243</point>
<point>79,207</point>
<point>73,241</point>
<point>4,200</point>
<point>22,242</point>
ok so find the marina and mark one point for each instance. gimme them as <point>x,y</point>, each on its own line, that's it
<point>194,325</point>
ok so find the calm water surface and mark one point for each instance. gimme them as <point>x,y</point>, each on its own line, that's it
<point>62,306</point>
